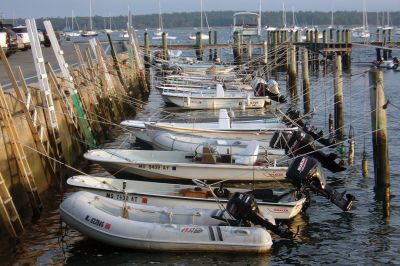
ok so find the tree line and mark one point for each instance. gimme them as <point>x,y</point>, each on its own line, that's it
<point>218,19</point>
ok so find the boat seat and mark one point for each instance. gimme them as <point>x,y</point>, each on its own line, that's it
<point>265,195</point>
<point>208,156</point>
<point>249,155</point>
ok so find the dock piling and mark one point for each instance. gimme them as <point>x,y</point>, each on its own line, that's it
<point>292,71</point>
<point>199,46</point>
<point>338,97</point>
<point>379,131</point>
<point>306,83</point>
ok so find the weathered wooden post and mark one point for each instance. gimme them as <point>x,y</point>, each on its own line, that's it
<point>316,49</point>
<point>297,36</point>
<point>307,36</point>
<point>385,54</point>
<point>379,134</point>
<point>199,46</point>
<point>146,51</point>
<point>347,54</point>
<point>338,36</point>
<point>292,71</point>
<point>164,46</point>
<point>338,104</point>
<point>331,35</point>
<point>250,52</point>
<point>306,83</point>
<point>274,48</point>
<point>343,36</point>
<point>389,41</point>
<point>237,52</point>
<point>210,51</point>
<point>324,37</point>
<point>116,62</point>
<point>265,50</point>
<point>215,43</point>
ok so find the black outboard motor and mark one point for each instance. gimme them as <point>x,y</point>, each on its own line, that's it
<point>395,62</point>
<point>302,143</point>
<point>306,173</point>
<point>243,207</point>
<point>293,118</point>
<point>270,89</point>
<point>280,139</point>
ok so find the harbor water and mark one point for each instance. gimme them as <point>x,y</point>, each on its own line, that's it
<point>326,235</point>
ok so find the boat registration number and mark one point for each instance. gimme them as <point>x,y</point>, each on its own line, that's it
<point>251,103</point>
<point>156,167</point>
<point>131,198</point>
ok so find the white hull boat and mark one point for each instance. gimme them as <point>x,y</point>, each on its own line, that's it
<point>224,128</point>
<point>166,141</point>
<point>211,99</point>
<point>153,228</point>
<point>183,166</point>
<point>279,205</point>
<point>203,37</point>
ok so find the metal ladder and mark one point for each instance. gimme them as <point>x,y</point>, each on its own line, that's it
<point>24,169</point>
<point>70,85</point>
<point>8,212</point>
<point>47,98</point>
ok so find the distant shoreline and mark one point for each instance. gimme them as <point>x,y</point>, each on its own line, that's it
<point>221,19</point>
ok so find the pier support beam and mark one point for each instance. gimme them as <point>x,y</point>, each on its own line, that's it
<point>146,51</point>
<point>265,50</point>
<point>210,51</point>
<point>199,46</point>
<point>215,43</point>
<point>292,71</point>
<point>385,53</point>
<point>164,46</point>
<point>237,51</point>
<point>306,83</point>
<point>338,104</point>
<point>379,133</point>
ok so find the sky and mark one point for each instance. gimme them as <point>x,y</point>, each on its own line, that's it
<point>62,8</point>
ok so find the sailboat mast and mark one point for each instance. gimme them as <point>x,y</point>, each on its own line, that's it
<point>283,15</point>
<point>294,24</point>
<point>259,19</point>
<point>90,15</point>
<point>201,15</point>
<point>160,22</point>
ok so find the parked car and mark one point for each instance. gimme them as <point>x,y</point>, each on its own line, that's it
<point>23,37</point>
<point>12,41</point>
<point>3,41</point>
<point>45,41</point>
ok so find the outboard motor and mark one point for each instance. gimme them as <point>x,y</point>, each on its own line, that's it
<point>395,62</point>
<point>306,173</point>
<point>293,118</point>
<point>176,70</point>
<point>302,143</point>
<point>273,92</point>
<point>270,89</point>
<point>280,139</point>
<point>243,207</point>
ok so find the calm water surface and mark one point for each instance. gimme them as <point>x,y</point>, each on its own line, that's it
<point>326,235</point>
